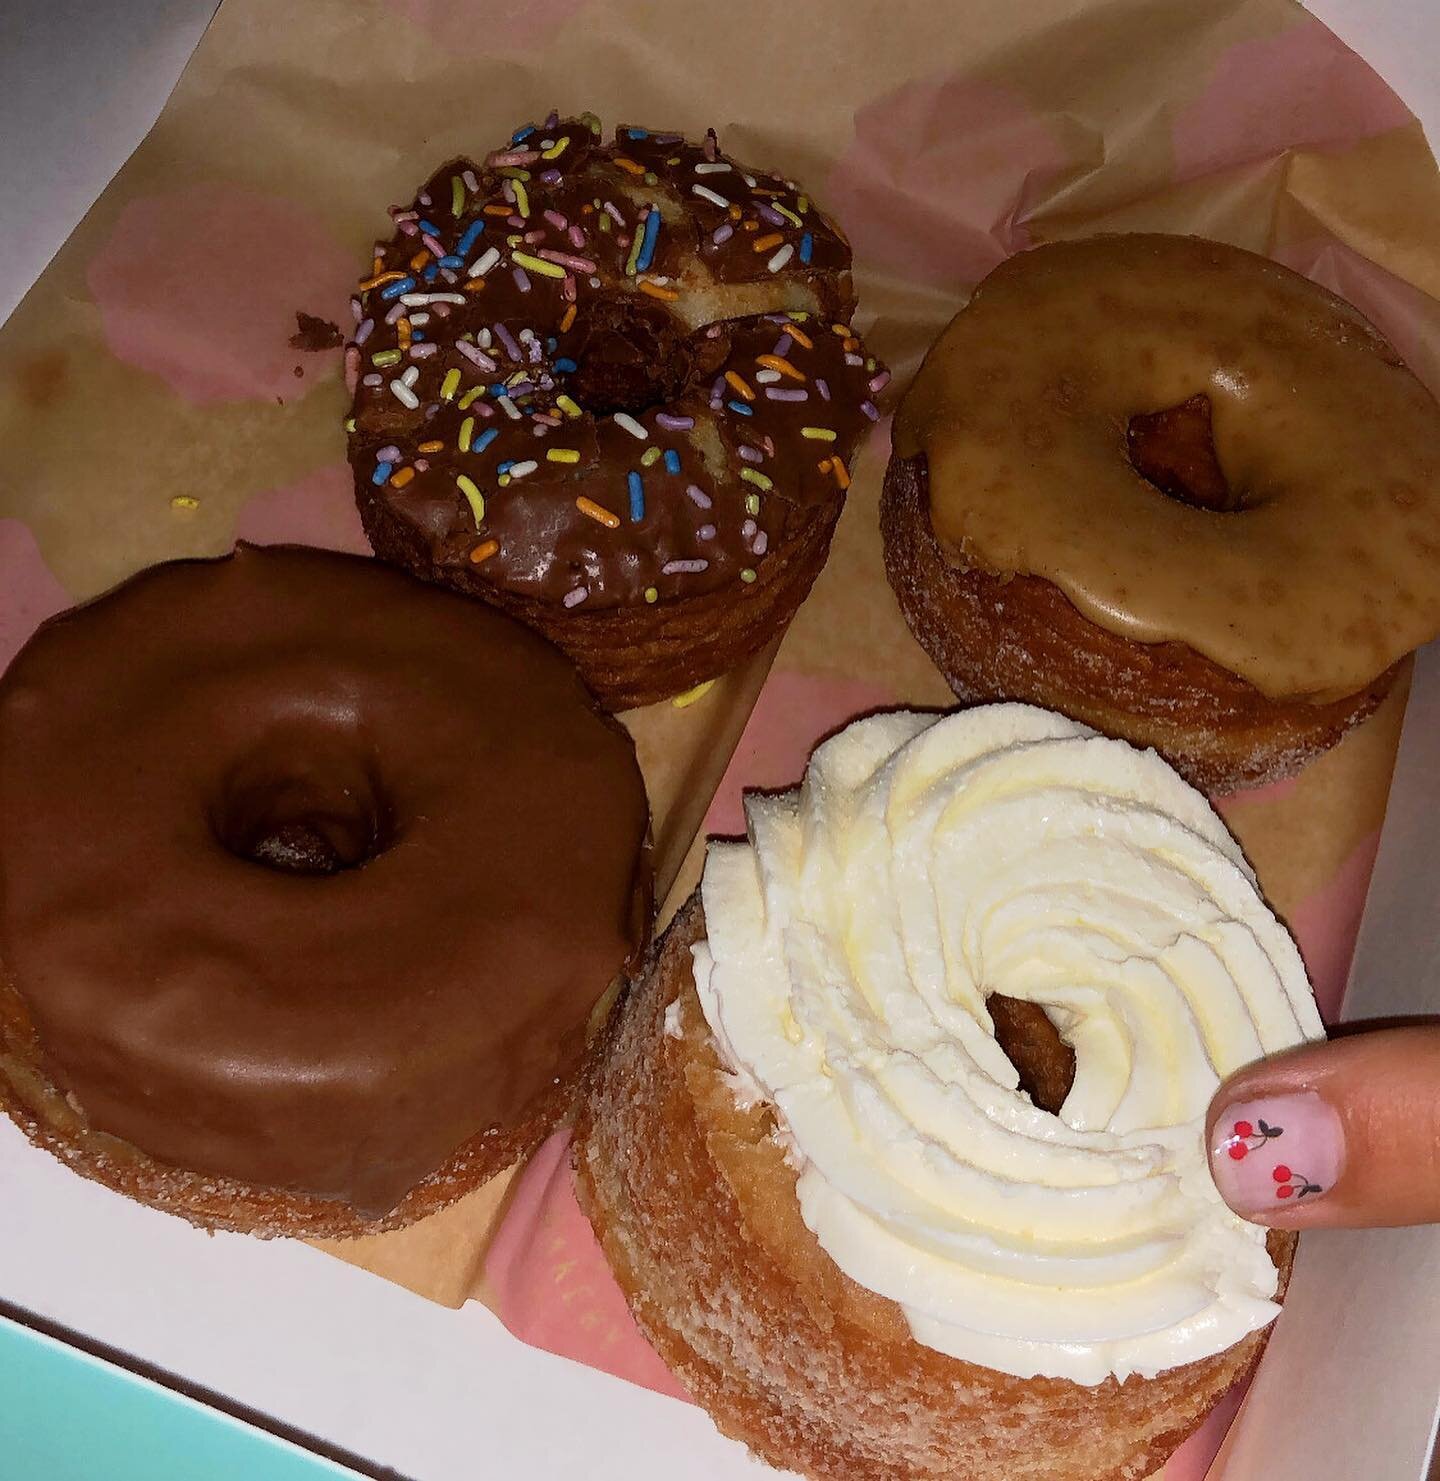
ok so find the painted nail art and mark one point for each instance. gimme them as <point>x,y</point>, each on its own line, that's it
<point>1267,1155</point>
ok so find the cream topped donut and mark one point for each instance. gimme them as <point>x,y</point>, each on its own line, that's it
<point>612,388</point>
<point>1064,1286</point>
<point>852,944</point>
<point>1172,489</point>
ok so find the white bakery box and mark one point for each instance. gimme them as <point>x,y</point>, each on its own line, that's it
<point>134,1346</point>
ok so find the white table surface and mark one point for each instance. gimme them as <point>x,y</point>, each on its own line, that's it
<point>294,1334</point>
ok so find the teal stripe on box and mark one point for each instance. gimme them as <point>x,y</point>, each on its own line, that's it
<point>66,1415</point>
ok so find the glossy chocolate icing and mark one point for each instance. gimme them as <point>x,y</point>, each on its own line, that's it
<point>521,303</point>
<point>309,872</point>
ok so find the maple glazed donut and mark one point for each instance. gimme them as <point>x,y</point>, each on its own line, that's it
<point>310,877</point>
<point>896,1147</point>
<point>612,389</point>
<point>1175,491</point>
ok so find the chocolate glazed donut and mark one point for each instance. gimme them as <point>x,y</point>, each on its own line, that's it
<point>611,388</point>
<point>310,876</point>
<point>1173,490</point>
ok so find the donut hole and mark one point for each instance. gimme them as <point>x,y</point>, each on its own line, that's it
<point>1042,1059</point>
<point>629,357</point>
<point>1174,450</point>
<point>303,819</point>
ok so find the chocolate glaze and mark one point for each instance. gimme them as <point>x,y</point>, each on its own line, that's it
<point>636,320</point>
<point>309,872</point>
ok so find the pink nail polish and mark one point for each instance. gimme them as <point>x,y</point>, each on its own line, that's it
<point>1269,1155</point>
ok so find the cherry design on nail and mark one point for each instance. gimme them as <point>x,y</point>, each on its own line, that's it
<point>1245,1138</point>
<point>1292,1184</point>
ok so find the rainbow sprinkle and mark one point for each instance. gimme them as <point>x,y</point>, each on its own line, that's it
<point>473,497</point>
<point>597,512</point>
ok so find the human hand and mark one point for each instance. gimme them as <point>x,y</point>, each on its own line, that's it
<point>1339,1133</point>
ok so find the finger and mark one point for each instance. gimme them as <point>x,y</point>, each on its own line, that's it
<point>1340,1133</point>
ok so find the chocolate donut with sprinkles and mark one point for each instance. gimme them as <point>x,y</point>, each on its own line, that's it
<point>613,390</point>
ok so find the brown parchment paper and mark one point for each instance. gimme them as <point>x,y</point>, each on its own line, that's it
<point>149,407</point>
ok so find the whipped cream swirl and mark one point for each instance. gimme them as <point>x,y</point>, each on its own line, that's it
<point>924,864</point>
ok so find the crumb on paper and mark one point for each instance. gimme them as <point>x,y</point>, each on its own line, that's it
<point>314,334</point>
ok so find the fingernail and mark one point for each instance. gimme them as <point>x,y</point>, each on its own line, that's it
<point>1269,1155</point>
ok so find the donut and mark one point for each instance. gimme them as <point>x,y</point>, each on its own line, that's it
<point>310,875</point>
<point>612,389</point>
<point>1173,490</point>
<point>896,1143</point>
